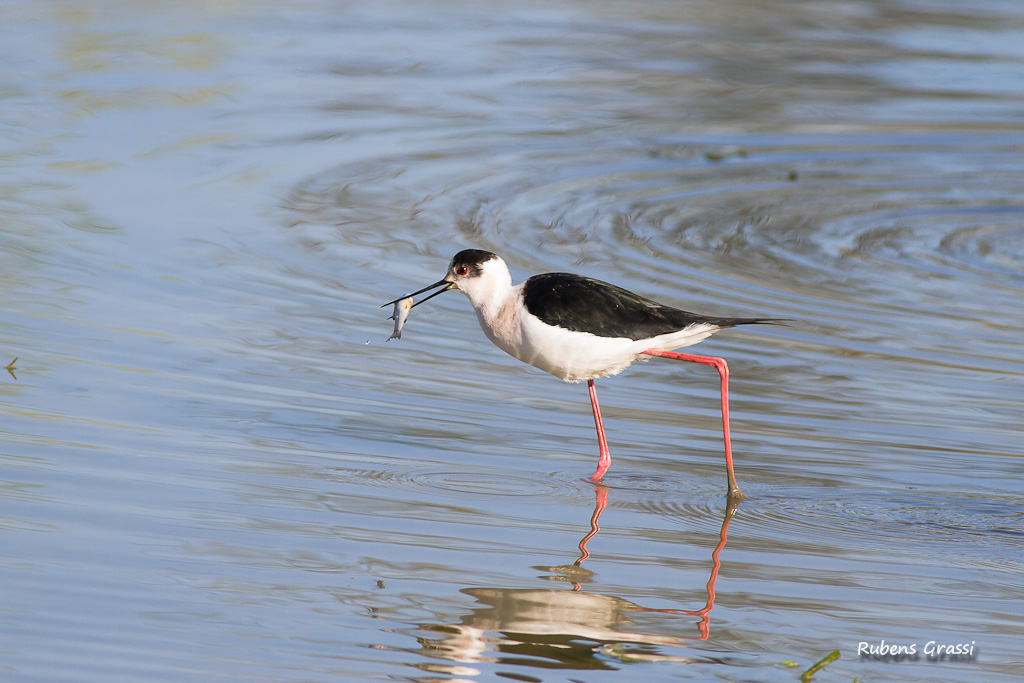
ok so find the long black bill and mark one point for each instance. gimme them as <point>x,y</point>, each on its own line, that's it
<point>440,283</point>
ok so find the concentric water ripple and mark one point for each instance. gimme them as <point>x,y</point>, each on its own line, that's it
<point>956,531</point>
<point>851,216</point>
<point>485,483</point>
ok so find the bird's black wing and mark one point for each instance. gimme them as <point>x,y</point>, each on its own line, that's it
<point>582,304</point>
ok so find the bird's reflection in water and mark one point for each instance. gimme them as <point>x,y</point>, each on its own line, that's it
<point>555,628</point>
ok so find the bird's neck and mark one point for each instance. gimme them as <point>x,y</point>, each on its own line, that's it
<point>498,316</point>
<point>496,302</point>
<point>490,303</point>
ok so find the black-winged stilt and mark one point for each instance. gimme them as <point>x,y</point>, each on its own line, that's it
<point>578,328</point>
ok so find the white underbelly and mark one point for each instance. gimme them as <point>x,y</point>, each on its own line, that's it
<point>576,356</point>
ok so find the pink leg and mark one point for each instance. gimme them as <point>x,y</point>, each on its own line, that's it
<point>606,458</point>
<point>723,371</point>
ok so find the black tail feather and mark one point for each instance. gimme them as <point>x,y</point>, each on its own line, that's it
<point>733,322</point>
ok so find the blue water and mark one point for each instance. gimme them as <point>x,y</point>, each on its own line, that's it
<point>212,467</point>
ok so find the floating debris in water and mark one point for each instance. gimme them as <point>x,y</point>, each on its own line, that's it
<point>805,677</point>
<point>726,153</point>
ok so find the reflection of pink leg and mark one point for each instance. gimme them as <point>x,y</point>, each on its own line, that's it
<point>705,614</point>
<point>599,505</point>
<point>704,625</point>
<point>723,371</point>
<point>606,458</point>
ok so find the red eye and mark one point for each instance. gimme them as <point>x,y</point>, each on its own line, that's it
<point>461,270</point>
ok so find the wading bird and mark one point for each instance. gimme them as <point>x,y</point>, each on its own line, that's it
<point>578,328</point>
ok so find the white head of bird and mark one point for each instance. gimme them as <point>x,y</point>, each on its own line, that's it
<point>482,276</point>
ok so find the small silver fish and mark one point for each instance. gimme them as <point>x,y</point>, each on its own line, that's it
<point>402,308</point>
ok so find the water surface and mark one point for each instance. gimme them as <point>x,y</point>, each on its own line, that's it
<point>213,467</point>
